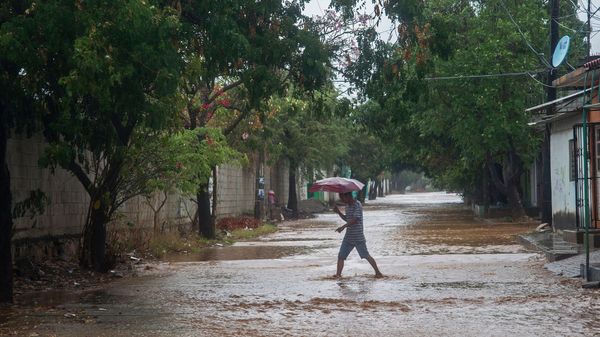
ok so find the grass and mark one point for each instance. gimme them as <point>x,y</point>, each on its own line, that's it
<point>245,234</point>
<point>172,242</point>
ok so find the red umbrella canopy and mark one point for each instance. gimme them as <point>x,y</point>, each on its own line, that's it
<point>336,184</point>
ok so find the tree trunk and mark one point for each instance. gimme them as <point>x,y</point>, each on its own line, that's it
<point>6,276</point>
<point>156,210</point>
<point>373,190</point>
<point>485,186</point>
<point>509,184</point>
<point>362,195</point>
<point>93,246</point>
<point>205,220</point>
<point>515,203</point>
<point>102,206</point>
<point>292,196</point>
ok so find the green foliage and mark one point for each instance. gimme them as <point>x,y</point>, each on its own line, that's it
<point>101,72</point>
<point>250,47</point>
<point>307,130</point>
<point>195,152</point>
<point>32,206</point>
<point>178,161</point>
<point>367,157</point>
<point>451,128</point>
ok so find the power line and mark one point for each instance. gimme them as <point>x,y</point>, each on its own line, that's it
<point>539,55</point>
<point>528,73</point>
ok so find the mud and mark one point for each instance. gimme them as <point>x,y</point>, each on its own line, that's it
<point>447,274</point>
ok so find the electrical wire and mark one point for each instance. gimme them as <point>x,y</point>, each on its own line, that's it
<point>539,55</point>
<point>592,15</point>
<point>321,9</point>
<point>565,27</point>
<point>484,75</point>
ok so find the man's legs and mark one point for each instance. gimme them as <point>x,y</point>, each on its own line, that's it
<point>345,250</point>
<point>374,265</point>
<point>340,267</point>
<point>361,247</point>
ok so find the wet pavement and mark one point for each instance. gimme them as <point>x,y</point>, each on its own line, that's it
<point>447,274</point>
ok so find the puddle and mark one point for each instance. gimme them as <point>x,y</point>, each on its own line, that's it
<point>230,253</point>
<point>57,297</point>
<point>455,285</point>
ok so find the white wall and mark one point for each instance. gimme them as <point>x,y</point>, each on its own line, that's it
<point>563,190</point>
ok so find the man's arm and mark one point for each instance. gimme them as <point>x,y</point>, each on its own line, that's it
<point>348,224</point>
<point>337,210</point>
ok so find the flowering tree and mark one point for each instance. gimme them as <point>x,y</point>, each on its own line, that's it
<point>237,54</point>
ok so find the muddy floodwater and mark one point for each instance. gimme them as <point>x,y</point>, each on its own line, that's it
<point>447,274</point>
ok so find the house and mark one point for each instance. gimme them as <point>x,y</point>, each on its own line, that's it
<point>574,127</point>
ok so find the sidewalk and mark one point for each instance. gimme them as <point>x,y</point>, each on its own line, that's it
<point>565,258</point>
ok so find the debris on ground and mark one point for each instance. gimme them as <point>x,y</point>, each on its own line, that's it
<point>36,276</point>
<point>231,223</point>
<point>545,227</point>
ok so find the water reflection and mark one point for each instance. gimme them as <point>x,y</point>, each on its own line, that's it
<point>238,253</point>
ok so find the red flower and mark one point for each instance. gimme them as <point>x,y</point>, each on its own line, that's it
<point>225,103</point>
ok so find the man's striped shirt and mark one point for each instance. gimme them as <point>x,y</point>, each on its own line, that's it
<point>354,233</point>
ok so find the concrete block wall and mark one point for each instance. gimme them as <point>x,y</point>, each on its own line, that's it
<point>236,187</point>
<point>66,214</point>
<point>69,202</point>
<point>68,199</point>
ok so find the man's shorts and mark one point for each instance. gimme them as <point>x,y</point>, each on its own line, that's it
<point>347,247</point>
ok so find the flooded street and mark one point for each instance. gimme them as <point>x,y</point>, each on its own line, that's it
<point>447,274</point>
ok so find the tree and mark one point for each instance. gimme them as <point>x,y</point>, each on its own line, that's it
<point>465,132</point>
<point>101,72</point>
<point>178,162</point>
<point>488,126</point>
<point>17,115</point>
<point>238,54</point>
<point>309,133</point>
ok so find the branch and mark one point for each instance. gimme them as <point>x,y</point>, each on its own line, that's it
<point>121,130</point>
<point>244,113</point>
<point>223,90</point>
<point>81,176</point>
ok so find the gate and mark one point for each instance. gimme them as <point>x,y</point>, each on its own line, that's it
<point>577,173</point>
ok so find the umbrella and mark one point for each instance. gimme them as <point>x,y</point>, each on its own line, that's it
<point>336,184</point>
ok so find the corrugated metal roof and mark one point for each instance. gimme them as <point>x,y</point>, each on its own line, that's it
<point>560,100</point>
<point>592,64</point>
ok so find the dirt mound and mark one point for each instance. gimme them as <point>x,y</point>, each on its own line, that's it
<point>312,206</point>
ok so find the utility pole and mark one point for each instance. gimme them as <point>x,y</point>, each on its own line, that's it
<point>551,95</point>
<point>589,28</point>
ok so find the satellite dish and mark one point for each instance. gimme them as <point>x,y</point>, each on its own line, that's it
<point>561,50</point>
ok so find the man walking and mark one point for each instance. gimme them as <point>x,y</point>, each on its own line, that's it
<point>354,237</point>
